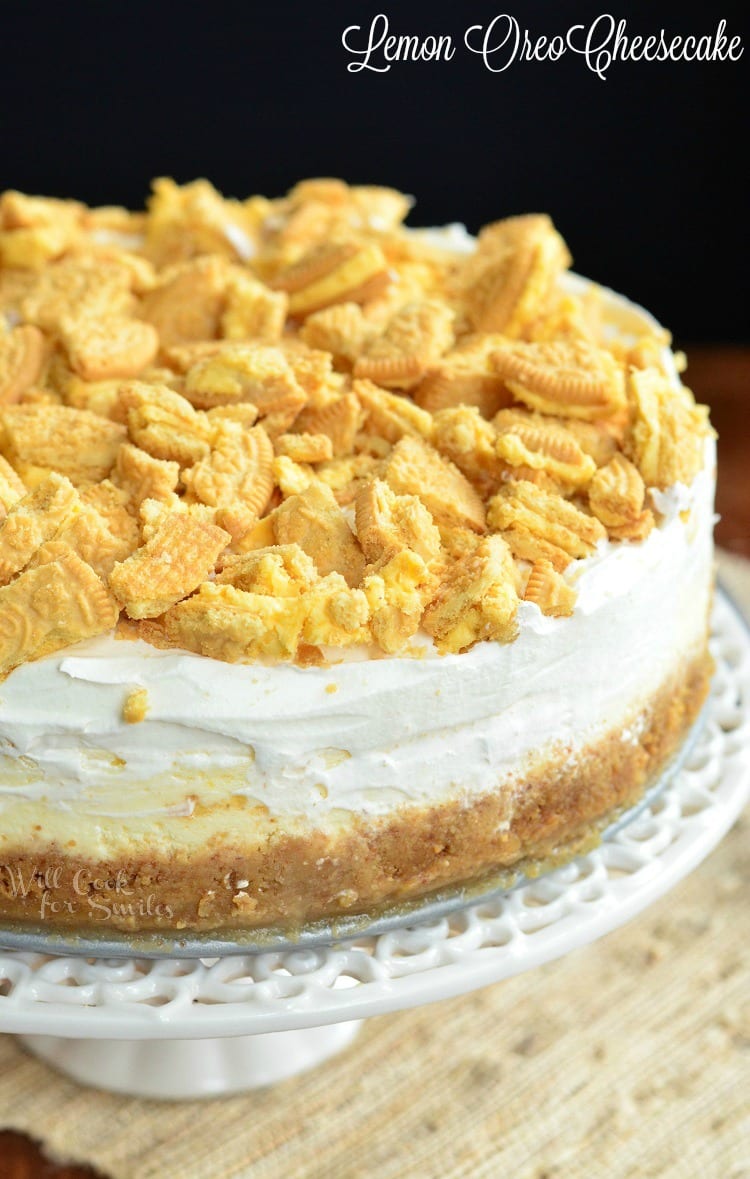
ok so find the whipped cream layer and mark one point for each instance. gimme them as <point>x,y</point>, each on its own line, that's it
<point>224,747</point>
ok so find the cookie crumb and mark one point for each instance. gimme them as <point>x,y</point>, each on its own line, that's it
<point>135,707</point>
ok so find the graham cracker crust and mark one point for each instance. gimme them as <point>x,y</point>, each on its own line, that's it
<point>371,864</point>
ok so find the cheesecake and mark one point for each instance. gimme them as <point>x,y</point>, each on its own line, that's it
<point>342,564</point>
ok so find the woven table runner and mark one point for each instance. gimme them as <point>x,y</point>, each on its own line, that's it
<point>627,1058</point>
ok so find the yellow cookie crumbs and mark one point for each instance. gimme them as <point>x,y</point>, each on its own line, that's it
<point>135,708</point>
<point>257,428</point>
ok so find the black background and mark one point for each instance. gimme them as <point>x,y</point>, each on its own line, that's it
<point>643,173</point>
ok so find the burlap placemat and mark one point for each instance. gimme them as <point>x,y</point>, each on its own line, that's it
<point>629,1058</point>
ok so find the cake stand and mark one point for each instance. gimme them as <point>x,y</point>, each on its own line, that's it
<point>183,1027</point>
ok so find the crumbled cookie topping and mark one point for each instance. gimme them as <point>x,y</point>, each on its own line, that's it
<point>263,428</point>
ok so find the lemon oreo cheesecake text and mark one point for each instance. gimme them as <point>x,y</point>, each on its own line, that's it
<point>504,42</point>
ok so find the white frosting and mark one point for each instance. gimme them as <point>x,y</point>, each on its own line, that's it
<point>116,237</point>
<point>240,240</point>
<point>453,237</point>
<point>366,734</point>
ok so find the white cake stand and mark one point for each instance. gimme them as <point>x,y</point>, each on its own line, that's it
<point>182,1028</point>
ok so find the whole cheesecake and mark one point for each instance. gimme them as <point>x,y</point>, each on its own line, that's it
<point>340,563</point>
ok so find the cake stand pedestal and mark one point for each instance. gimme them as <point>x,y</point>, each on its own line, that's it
<point>184,1069</point>
<point>186,1027</point>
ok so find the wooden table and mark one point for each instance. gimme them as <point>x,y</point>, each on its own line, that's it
<point>718,376</point>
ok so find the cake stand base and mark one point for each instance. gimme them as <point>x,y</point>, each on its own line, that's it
<point>177,1070</point>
